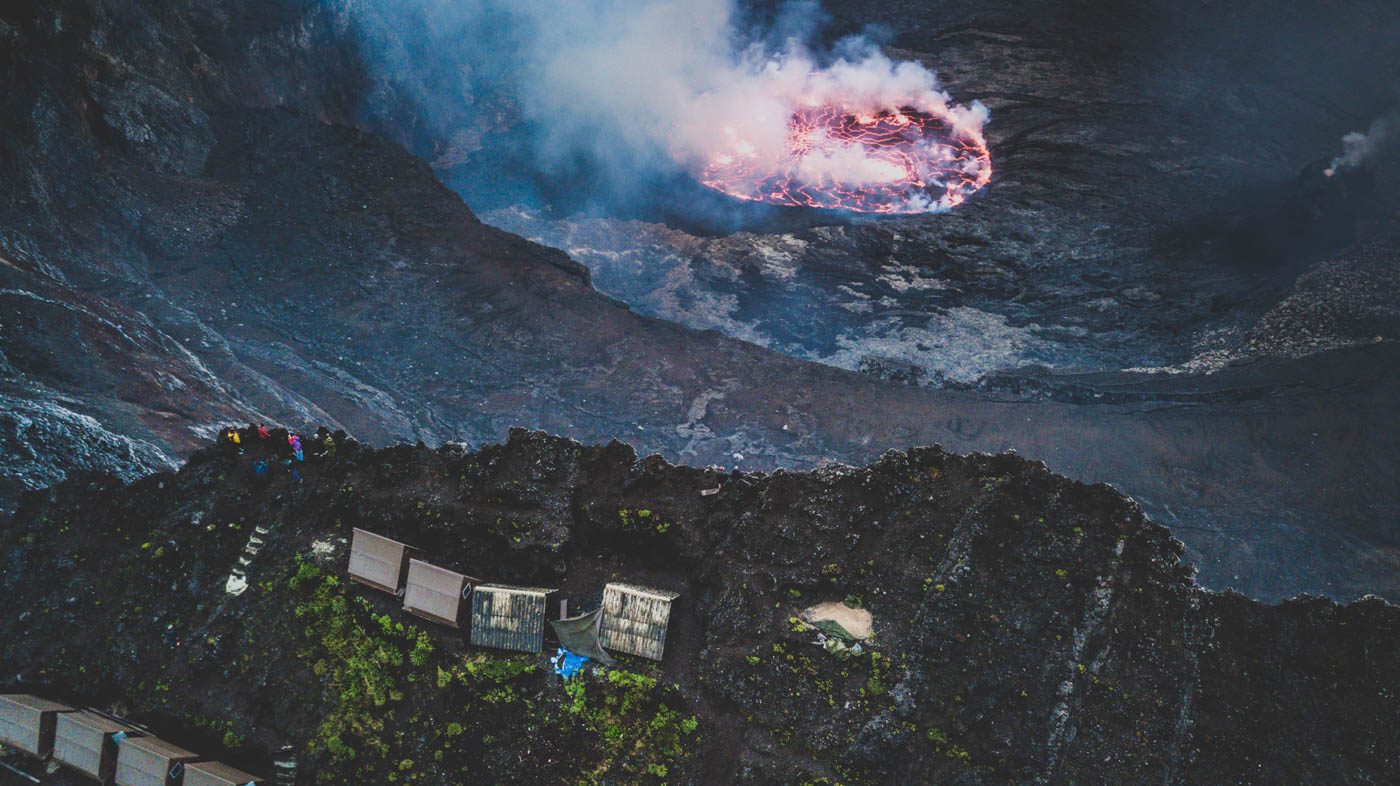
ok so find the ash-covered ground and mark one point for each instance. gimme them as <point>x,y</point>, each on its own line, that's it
<point>216,211</point>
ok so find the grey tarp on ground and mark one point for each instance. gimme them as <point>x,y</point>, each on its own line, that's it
<point>579,635</point>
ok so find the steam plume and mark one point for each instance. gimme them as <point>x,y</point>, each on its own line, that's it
<point>1358,146</point>
<point>655,88</point>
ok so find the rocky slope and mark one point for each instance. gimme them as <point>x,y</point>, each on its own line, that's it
<point>1027,628</point>
<point>195,225</point>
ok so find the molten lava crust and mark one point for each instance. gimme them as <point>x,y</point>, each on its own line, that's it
<point>893,161</point>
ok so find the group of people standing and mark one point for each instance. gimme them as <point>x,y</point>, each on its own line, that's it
<point>294,453</point>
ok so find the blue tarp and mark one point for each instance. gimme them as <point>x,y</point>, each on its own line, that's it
<point>566,664</point>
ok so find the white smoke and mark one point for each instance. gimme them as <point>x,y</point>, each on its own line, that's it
<point>1358,146</point>
<point>852,165</point>
<point>752,95</point>
<point>639,86</point>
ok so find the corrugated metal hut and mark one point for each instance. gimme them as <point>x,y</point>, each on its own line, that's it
<point>379,562</point>
<point>635,619</point>
<point>27,723</point>
<point>149,761</point>
<point>83,741</point>
<point>437,593</point>
<point>509,618</point>
<point>213,773</point>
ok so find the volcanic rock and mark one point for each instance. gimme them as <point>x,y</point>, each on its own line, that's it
<point>1027,627</point>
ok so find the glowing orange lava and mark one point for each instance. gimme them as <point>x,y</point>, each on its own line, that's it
<point>894,161</point>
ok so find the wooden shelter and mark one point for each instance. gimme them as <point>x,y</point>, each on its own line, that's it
<point>437,593</point>
<point>27,723</point>
<point>213,773</point>
<point>379,562</point>
<point>83,741</point>
<point>150,761</point>
<point>509,618</point>
<point>635,619</point>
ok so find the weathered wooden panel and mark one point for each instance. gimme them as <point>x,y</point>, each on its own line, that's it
<point>508,618</point>
<point>635,619</point>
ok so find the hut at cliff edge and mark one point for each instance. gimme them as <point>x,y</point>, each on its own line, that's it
<point>509,618</point>
<point>84,741</point>
<point>213,773</point>
<point>27,723</point>
<point>437,594</point>
<point>149,761</point>
<point>377,561</point>
<point>635,619</point>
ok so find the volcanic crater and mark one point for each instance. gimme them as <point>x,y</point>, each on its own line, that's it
<point>1174,299</point>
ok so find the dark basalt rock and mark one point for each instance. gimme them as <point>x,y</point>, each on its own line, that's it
<point>1027,627</point>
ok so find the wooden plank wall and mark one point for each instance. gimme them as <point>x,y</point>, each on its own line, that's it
<point>508,619</point>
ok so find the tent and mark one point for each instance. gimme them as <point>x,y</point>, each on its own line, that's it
<point>84,741</point>
<point>148,761</point>
<point>377,561</point>
<point>436,593</point>
<point>213,773</point>
<point>579,635</point>
<point>28,723</point>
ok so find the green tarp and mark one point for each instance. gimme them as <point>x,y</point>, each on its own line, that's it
<point>833,628</point>
<point>579,635</point>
